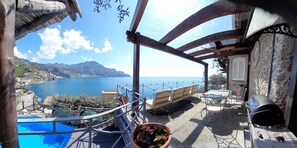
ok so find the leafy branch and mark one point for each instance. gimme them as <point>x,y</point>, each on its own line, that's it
<point>122,12</point>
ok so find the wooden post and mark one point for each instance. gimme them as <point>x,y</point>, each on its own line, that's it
<point>8,116</point>
<point>205,77</point>
<point>136,60</point>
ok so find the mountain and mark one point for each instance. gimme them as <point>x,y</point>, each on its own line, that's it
<point>90,69</point>
<point>36,72</point>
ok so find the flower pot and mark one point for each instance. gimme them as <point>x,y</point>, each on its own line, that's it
<point>151,135</point>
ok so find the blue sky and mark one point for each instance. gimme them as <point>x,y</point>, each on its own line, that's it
<point>100,37</point>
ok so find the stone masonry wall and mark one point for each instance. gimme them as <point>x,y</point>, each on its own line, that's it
<point>260,60</point>
<point>260,66</point>
<point>27,99</point>
<point>282,67</point>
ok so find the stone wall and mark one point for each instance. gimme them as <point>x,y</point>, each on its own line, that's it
<point>282,66</point>
<point>26,99</point>
<point>260,67</point>
<point>260,60</point>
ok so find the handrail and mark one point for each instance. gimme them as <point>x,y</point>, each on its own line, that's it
<point>72,118</point>
<point>93,128</point>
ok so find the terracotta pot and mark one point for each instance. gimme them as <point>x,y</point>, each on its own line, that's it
<point>134,145</point>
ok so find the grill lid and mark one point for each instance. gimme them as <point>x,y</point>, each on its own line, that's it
<point>264,111</point>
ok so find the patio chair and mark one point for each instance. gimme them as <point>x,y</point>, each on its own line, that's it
<point>238,100</point>
<point>161,100</point>
<point>194,90</point>
<point>213,104</point>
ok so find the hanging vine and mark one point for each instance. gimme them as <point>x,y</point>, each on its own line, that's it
<point>122,12</point>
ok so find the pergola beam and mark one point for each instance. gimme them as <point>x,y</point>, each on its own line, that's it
<point>146,41</point>
<point>228,47</point>
<point>201,52</point>
<point>138,14</point>
<point>225,54</point>
<point>215,10</point>
<point>231,34</point>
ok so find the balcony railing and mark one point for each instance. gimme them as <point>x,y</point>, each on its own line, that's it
<point>125,117</point>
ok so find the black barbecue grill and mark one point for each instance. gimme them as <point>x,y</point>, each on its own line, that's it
<point>263,111</point>
<point>266,124</point>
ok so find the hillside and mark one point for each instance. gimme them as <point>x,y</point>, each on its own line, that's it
<point>28,72</point>
<point>91,69</point>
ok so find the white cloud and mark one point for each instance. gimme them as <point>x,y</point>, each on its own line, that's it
<point>51,43</point>
<point>18,54</point>
<point>71,41</point>
<point>107,47</point>
<point>30,52</point>
<point>34,59</point>
<point>87,59</point>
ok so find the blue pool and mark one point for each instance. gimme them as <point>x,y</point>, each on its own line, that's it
<point>45,140</point>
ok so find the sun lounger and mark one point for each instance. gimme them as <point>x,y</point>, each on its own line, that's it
<point>161,99</point>
<point>194,89</point>
<point>177,95</point>
<point>187,92</point>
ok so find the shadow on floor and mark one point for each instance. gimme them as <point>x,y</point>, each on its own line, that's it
<point>101,140</point>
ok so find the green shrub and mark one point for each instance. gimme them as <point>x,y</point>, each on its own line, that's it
<point>62,112</point>
<point>90,112</point>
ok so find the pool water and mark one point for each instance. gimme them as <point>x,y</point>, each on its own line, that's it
<point>44,140</point>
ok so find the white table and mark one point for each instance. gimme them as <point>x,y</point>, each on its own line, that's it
<point>224,94</point>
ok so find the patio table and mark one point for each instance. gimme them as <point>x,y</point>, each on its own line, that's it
<point>219,95</point>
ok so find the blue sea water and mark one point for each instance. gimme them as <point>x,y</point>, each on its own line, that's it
<point>94,86</point>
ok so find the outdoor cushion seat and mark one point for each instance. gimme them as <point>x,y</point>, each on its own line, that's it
<point>194,89</point>
<point>177,95</point>
<point>187,92</point>
<point>161,99</point>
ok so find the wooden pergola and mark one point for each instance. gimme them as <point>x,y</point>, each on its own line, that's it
<point>215,10</point>
<point>17,19</point>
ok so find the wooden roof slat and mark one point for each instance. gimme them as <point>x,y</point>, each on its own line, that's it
<point>36,23</point>
<point>201,52</point>
<point>231,34</point>
<point>146,41</point>
<point>225,54</point>
<point>228,47</point>
<point>217,9</point>
<point>138,14</point>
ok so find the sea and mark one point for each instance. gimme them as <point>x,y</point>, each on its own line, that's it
<point>94,85</point>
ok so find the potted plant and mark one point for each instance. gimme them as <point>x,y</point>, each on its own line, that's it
<point>151,135</point>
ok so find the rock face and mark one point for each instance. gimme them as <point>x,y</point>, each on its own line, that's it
<point>268,79</point>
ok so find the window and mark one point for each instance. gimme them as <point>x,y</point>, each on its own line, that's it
<point>238,69</point>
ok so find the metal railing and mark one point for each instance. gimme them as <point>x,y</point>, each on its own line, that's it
<point>149,89</point>
<point>125,117</point>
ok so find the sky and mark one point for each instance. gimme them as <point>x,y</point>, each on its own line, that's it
<point>100,37</point>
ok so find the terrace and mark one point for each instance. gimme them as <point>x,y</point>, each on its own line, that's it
<point>188,124</point>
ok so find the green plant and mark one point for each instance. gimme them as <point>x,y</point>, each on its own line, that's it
<point>151,135</point>
<point>216,80</point>
<point>62,112</point>
<point>90,112</point>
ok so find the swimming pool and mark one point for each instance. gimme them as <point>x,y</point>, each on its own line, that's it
<point>44,140</point>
